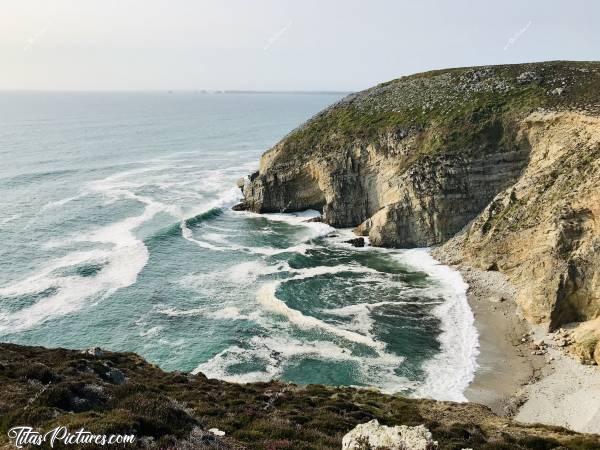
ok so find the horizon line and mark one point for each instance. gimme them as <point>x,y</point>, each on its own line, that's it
<point>176,91</point>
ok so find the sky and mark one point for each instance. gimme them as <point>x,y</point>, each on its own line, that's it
<point>277,44</point>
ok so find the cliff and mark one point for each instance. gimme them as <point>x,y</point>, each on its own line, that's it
<point>120,393</point>
<point>501,164</point>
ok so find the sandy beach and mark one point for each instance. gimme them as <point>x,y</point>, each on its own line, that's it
<point>505,362</point>
<point>552,389</point>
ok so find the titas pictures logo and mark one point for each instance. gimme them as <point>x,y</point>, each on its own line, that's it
<point>22,436</point>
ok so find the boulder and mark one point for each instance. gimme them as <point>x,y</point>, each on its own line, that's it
<point>94,351</point>
<point>373,436</point>
<point>239,207</point>
<point>356,242</point>
<point>528,77</point>
<point>216,432</point>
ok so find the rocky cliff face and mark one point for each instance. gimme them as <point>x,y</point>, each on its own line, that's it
<point>394,199</point>
<point>544,230</point>
<point>510,152</point>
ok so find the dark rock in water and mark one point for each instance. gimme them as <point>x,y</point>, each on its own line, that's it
<point>356,242</point>
<point>315,219</point>
<point>239,207</point>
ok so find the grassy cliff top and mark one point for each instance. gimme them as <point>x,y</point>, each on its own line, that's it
<point>456,108</point>
<point>108,393</point>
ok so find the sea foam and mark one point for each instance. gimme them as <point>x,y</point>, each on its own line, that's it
<point>121,264</point>
<point>268,300</point>
<point>275,351</point>
<point>451,371</point>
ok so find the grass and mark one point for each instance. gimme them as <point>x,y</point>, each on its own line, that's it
<point>467,110</point>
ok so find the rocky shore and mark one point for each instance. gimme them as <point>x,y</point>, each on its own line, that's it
<point>524,371</point>
<point>496,167</point>
<point>499,168</point>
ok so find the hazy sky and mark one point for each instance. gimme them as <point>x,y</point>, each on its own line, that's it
<point>277,44</point>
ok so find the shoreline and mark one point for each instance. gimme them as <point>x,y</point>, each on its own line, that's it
<point>505,362</point>
<point>552,388</point>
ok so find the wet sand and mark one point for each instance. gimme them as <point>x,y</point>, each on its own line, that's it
<point>552,389</point>
<point>505,362</point>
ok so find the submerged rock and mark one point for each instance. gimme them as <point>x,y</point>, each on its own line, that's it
<point>372,436</point>
<point>356,242</point>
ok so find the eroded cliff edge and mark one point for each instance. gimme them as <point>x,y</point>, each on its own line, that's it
<point>501,164</point>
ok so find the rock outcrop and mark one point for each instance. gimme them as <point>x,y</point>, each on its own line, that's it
<point>543,231</point>
<point>373,436</point>
<point>502,161</point>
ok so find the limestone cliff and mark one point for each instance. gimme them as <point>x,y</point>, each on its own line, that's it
<point>507,154</point>
<point>544,230</point>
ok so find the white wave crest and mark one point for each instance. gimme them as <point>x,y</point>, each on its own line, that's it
<point>120,265</point>
<point>62,202</point>
<point>274,352</point>
<point>6,220</point>
<point>451,371</point>
<point>267,299</point>
<point>226,313</point>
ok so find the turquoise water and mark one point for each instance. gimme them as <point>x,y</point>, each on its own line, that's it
<point>116,231</point>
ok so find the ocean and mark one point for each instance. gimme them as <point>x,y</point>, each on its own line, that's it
<point>116,230</point>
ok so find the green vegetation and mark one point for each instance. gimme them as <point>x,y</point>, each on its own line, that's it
<point>45,388</point>
<point>466,110</point>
